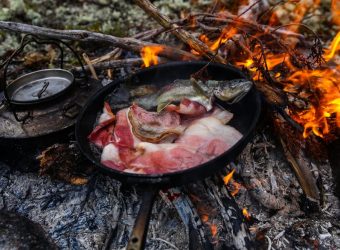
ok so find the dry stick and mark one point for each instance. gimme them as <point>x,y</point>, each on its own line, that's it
<point>114,64</point>
<point>183,35</point>
<point>90,66</point>
<point>131,44</point>
<point>303,173</point>
<point>239,20</point>
<point>111,55</point>
<point>293,145</point>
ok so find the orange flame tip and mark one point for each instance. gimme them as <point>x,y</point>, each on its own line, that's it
<point>333,48</point>
<point>228,177</point>
<point>246,214</point>
<point>149,55</point>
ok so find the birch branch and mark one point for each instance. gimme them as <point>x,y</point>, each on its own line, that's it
<point>131,44</point>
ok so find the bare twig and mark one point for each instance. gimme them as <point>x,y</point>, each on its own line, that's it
<point>114,64</point>
<point>90,66</point>
<point>115,53</point>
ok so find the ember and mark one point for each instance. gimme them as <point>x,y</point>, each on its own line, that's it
<point>246,214</point>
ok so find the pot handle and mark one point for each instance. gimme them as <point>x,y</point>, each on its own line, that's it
<point>140,229</point>
<point>27,39</point>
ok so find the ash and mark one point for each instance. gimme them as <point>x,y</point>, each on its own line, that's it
<point>281,216</point>
<point>101,213</point>
<point>92,216</point>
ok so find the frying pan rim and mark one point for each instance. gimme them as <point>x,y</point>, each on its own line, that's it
<point>159,177</point>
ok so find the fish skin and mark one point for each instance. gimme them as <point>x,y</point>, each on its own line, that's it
<point>233,90</point>
<point>202,92</point>
<point>180,89</point>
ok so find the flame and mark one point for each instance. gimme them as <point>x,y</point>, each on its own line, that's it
<point>226,34</point>
<point>325,89</point>
<point>149,55</point>
<point>333,48</point>
<point>246,214</point>
<point>228,177</point>
<point>320,87</point>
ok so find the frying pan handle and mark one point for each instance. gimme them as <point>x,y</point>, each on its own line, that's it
<point>140,229</point>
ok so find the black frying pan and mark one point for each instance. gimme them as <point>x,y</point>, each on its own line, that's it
<point>246,114</point>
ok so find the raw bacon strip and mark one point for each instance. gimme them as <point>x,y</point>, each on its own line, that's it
<point>110,157</point>
<point>123,133</point>
<point>204,138</point>
<point>221,114</point>
<point>154,127</point>
<point>210,136</point>
<point>103,132</point>
<point>164,158</point>
<point>187,107</point>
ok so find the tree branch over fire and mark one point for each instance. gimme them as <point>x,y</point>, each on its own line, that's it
<point>127,43</point>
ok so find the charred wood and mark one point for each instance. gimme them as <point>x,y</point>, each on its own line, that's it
<point>62,162</point>
<point>212,217</point>
<point>292,144</point>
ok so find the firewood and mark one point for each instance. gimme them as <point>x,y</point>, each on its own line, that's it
<point>131,44</point>
<point>90,66</point>
<point>181,34</point>
<point>292,144</point>
<point>113,64</point>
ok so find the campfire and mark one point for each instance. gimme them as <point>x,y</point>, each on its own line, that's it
<point>279,192</point>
